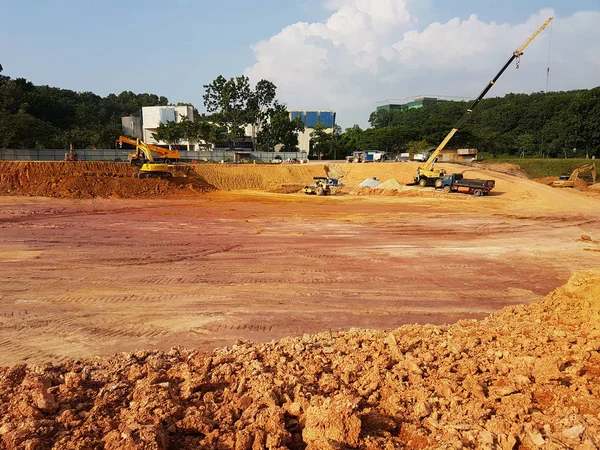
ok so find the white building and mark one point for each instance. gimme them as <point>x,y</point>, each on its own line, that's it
<point>153,116</point>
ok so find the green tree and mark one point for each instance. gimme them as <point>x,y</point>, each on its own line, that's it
<point>170,132</point>
<point>22,130</point>
<point>279,129</point>
<point>227,101</point>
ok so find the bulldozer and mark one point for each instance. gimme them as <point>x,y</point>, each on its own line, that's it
<point>568,181</point>
<point>321,186</point>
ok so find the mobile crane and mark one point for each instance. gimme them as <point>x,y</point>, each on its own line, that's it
<point>150,168</point>
<point>569,181</point>
<point>162,154</point>
<point>427,174</point>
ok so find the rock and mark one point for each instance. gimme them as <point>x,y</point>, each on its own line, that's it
<point>574,432</point>
<point>422,409</point>
<point>536,438</point>
<point>334,420</point>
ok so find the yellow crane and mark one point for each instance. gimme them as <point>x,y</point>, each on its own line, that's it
<point>569,180</point>
<point>427,174</point>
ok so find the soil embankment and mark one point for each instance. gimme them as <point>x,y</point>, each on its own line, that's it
<point>525,377</point>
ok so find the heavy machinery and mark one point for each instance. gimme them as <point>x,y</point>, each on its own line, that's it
<point>321,186</point>
<point>569,180</point>
<point>71,155</point>
<point>149,168</point>
<point>427,174</point>
<point>455,182</point>
<point>162,154</point>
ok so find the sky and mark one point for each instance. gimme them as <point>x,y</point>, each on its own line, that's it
<point>343,55</point>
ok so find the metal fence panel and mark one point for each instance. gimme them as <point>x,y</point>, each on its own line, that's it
<point>121,155</point>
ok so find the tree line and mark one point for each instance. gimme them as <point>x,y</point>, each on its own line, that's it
<point>47,117</point>
<point>554,124</point>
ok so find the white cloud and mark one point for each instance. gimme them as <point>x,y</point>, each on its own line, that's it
<point>372,50</point>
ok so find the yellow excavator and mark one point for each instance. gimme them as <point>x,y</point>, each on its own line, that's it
<point>149,167</point>
<point>427,174</point>
<point>162,154</point>
<point>569,180</point>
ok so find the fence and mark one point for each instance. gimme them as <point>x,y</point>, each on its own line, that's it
<point>121,155</point>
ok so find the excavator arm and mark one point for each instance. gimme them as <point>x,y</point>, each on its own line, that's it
<point>585,168</point>
<point>427,169</point>
<point>161,153</point>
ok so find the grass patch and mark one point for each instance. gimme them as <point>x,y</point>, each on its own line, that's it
<point>541,168</point>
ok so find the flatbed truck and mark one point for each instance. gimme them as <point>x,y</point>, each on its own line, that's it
<point>455,182</point>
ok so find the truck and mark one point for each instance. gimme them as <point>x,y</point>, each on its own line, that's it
<point>455,182</point>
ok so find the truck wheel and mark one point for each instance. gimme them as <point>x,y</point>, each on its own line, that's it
<point>167,161</point>
<point>447,189</point>
<point>320,191</point>
<point>423,182</point>
<point>477,192</point>
<point>438,183</point>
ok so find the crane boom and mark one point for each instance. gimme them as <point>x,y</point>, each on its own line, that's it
<point>426,171</point>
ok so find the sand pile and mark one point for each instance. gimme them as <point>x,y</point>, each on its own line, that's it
<point>354,174</point>
<point>259,176</point>
<point>369,183</point>
<point>390,184</point>
<point>88,180</point>
<point>526,377</point>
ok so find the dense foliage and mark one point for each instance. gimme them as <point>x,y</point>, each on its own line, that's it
<point>47,117</point>
<point>555,124</point>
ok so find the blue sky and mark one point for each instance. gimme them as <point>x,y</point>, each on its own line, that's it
<point>173,48</point>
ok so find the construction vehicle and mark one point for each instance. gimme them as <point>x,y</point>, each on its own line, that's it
<point>455,182</point>
<point>149,168</point>
<point>427,174</point>
<point>71,155</point>
<point>164,155</point>
<point>569,180</point>
<point>321,186</point>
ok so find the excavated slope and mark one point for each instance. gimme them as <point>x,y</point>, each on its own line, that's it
<point>106,179</point>
<point>87,180</point>
<point>526,377</point>
<point>259,176</point>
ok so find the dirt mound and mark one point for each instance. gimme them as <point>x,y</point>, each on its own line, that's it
<point>259,176</point>
<point>89,180</point>
<point>390,184</point>
<point>525,377</point>
<point>354,174</point>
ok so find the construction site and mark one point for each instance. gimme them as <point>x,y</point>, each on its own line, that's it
<point>161,304</point>
<point>225,308</point>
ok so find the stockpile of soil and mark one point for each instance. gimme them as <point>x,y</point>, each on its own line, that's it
<point>528,376</point>
<point>88,180</point>
<point>257,176</point>
<point>354,174</point>
<point>390,184</point>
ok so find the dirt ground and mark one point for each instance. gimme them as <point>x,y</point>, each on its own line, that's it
<point>302,297</point>
<point>93,277</point>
